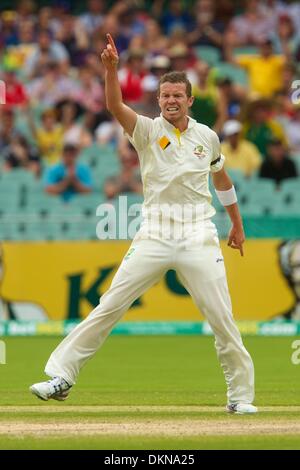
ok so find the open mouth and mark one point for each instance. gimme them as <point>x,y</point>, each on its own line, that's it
<point>172,109</point>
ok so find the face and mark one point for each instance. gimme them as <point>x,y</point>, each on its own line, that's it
<point>136,64</point>
<point>86,75</point>
<point>252,6</point>
<point>69,157</point>
<point>111,25</point>
<point>9,77</point>
<point>288,74</point>
<point>44,41</point>
<point>234,138</point>
<point>51,72</point>
<point>96,6</point>
<point>8,119</point>
<point>226,88</point>
<point>179,63</point>
<point>175,6</point>
<point>26,32</point>
<point>48,121</point>
<point>276,152</point>
<point>260,115</point>
<point>173,101</point>
<point>285,28</point>
<point>152,28</point>
<point>204,11</point>
<point>26,7</point>
<point>202,70</point>
<point>45,15</point>
<point>266,49</point>
<point>69,112</point>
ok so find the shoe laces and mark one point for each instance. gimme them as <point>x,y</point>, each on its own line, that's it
<point>59,384</point>
<point>232,407</point>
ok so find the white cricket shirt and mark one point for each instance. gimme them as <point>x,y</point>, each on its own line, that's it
<point>175,165</point>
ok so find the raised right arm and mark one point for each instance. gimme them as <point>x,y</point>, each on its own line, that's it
<point>125,115</point>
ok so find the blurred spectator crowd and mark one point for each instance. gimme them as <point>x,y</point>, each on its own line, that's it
<point>241,57</point>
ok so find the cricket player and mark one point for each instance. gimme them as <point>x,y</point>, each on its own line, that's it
<point>176,156</point>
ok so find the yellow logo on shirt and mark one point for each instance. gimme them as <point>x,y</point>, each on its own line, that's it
<point>164,142</point>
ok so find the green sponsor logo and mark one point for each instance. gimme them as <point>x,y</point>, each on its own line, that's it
<point>15,328</point>
<point>278,329</point>
<point>129,253</point>
<point>18,328</point>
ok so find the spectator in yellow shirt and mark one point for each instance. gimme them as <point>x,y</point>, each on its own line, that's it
<point>265,70</point>
<point>49,136</point>
<point>239,153</point>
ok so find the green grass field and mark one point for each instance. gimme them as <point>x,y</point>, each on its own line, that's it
<point>150,393</point>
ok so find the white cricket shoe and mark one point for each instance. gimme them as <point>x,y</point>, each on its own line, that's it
<point>241,408</point>
<point>56,388</point>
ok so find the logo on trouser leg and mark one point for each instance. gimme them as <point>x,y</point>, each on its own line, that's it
<point>129,253</point>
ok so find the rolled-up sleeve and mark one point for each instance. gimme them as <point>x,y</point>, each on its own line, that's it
<point>218,159</point>
<point>142,133</point>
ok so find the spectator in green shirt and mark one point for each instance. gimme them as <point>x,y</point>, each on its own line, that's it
<point>260,128</point>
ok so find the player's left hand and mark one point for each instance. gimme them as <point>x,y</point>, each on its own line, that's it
<point>109,56</point>
<point>237,238</point>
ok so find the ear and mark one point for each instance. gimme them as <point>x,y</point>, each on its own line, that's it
<point>191,101</point>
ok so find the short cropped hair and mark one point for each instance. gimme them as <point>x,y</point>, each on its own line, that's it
<point>176,77</point>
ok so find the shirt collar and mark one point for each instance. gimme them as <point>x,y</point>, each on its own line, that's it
<point>171,128</point>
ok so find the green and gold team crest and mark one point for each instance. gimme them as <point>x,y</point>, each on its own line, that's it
<point>199,151</point>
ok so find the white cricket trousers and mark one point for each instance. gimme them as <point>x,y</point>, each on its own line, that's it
<point>200,268</point>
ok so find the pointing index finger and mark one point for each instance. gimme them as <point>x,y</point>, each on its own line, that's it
<point>111,42</point>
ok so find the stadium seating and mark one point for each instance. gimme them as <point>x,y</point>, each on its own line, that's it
<point>236,74</point>
<point>208,54</point>
<point>104,162</point>
<point>46,217</point>
<point>86,204</point>
<point>27,213</point>
<point>245,50</point>
<point>237,178</point>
